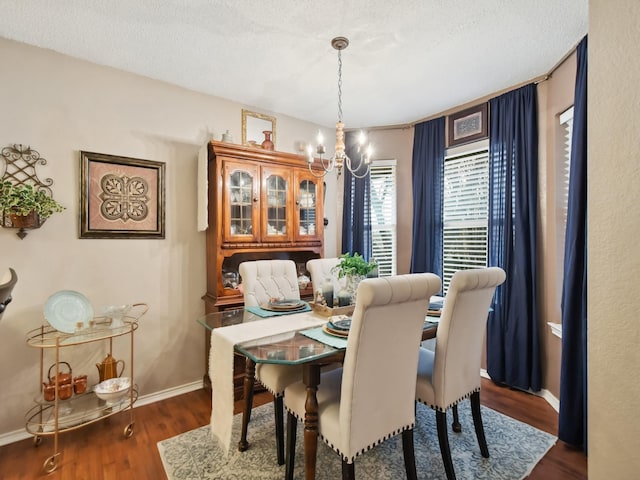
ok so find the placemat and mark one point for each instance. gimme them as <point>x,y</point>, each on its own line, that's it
<point>261,312</point>
<point>319,335</point>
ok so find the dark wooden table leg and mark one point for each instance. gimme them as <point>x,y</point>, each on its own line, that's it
<point>249,380</point>
<point>311,378</point>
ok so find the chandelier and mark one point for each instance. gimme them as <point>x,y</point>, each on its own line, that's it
<point>339,159</point>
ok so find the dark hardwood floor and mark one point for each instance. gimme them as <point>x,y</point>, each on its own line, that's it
<point>100,451</point>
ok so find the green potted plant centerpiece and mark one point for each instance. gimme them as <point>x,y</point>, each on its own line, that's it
<point>354,265</point>
<point>354,268</point>
<point>24,204</point>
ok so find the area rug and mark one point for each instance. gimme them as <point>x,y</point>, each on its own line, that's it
<point>515,448</point>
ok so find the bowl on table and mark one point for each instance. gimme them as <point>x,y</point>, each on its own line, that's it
<point>113,390</point>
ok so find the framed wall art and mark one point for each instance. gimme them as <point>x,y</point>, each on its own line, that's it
<point>468,125</point>
<point>121,197</point>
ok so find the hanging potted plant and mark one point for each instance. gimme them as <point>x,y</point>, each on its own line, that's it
<point>25,205</point>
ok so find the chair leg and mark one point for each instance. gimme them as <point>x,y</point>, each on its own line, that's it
<point>278,407</point>
<point>477,423</point>
<point>443,439</point>
<point>455,425</point>
<point>409,455</point>
<point>348,470</point>
<point>292,424</point>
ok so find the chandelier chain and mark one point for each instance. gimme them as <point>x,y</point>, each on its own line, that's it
<point>339,86</point>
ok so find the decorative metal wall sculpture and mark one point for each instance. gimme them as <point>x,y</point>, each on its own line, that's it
<point>19,183</point>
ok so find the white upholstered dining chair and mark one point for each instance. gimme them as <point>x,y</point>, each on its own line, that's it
<point>451,373</point>
<point>262,280</point>
<point>321,269</point>
<point>372,397</point>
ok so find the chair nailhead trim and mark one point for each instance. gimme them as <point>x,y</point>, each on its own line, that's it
<point>363,450</point>
<point>441,409</point>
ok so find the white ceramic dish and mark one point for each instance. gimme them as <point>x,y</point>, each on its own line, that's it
<point>116,313</point>
<point>113,390</point>
<point>67,309</point>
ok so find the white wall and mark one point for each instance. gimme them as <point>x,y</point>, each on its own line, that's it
<point>61,106</point>
<point>613,230</point>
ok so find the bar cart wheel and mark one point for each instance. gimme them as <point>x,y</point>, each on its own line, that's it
<point>50,464</point>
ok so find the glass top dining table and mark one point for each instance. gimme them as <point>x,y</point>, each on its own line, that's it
<point>289,348</point>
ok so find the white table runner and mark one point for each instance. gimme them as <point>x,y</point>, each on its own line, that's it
<point>223,341</point>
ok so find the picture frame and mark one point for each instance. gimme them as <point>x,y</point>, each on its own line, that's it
<point>253,126</point>
<point>468,125</point>
<point>121,197</point>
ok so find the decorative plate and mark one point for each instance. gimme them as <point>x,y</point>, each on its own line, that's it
<point>283,305</point>
<point>65,309</point>
<point>342,323</point>
<point>336,333</point>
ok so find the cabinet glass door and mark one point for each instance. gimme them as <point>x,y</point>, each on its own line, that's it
<point>308,196</point>
<point>276,200</point>
<point>309,206</point>
<point>242,204</point>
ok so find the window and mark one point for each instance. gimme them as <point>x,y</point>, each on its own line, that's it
<point>563,169</point>
<point>562,184</point>
<point>383,215</point>
<point>465,213</point>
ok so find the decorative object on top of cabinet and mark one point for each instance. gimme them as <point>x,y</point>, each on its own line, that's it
<point>253,127</point>
<point>227,137</point>
<point>267,144</point>
<point>121,197</point>
<point>25,201</point>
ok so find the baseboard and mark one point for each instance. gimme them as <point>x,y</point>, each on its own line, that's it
<point>17,435</point>
<point>551,399</point>
<point>544,393</point>
<point>168,393</point>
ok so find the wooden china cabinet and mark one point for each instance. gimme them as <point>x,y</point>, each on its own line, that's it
<point>262,205</point>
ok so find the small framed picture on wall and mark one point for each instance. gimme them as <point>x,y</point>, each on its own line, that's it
<point>468,125</point>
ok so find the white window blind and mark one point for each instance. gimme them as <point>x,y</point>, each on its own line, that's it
<point>383,215</point>
<point>566,125</point>
<point>465,213</point>
<point>562,171</point>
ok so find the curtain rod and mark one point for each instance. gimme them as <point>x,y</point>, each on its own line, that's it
<point>536,81</point>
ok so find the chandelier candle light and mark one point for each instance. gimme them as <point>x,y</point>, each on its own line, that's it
<point>340,158</point>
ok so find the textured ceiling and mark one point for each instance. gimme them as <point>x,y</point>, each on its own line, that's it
<point>407,59</point>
